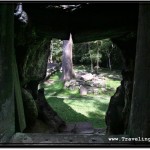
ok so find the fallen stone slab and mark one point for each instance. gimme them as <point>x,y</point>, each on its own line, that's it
<point>36,139</point>
<point>87,77</point>
<point>84,127</point>
<point>78,128</point>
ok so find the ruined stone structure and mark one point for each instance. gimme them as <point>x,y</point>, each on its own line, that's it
<point>23,61</point>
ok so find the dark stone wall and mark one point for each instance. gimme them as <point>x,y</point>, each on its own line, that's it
<point>32,52</point>
<point>117,115</point>
<point>32,56</point>
<point>140,107</point>
<point>7,112</point>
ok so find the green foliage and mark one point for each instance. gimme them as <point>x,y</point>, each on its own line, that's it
<point>56,48</point>
<point>98,52</point>
<point>81,53</point>
<point>106,45</point>
<point>108,49</point>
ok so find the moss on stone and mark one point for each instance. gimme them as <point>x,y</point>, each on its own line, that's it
<point>31,112</point>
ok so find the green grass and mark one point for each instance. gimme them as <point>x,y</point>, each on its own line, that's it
<point>72,107</point>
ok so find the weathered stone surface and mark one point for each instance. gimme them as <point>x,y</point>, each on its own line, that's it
<point>96,29</point>
<point>84,128</point>
<point>21,138</point>
<point>79,128</point>
<point>7,112</point>
<point>87,77</point>
<point>35,63</point>
<point>99,83</point>
<point>139,118</point>
<point>95,90</point>
<point>103,89</point>
<point>86,86</point>
<point>30,108</point>
<point>47,114</point>
<point>32,54</point>
<point>57,138</point>
<point>32,70</point>
<point>83,90</point>
<point>100,131</point>
<point>38,127</point>
<point>114,115</point>
<point>36,139</point>
<point>117,115</point>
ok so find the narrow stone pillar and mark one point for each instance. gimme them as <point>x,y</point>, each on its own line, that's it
<point>140,107</point>
<point>7,113</point>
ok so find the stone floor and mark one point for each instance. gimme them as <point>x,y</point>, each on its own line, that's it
<point>59,140</point>
<point>79,128</point>
<point>75,134</point>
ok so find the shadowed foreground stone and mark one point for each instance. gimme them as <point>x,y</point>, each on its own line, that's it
<point>68,140</point>
<point>47,114</point>
<point>79,128</point>
<point>31,112</point>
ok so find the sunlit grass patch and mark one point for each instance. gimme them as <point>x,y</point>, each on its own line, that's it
<point>72,107</point>
<point>81,109</point>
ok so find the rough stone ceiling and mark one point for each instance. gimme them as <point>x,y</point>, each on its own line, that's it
<point>86,21</point>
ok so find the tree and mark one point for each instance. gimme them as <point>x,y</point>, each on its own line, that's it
<point>55,51</point>
<point>95,55</point>
<point>99,53</point>
<point>81,53</point>
<point>91,57</point>
<point>67,63</point>
<point>50,59</point>
<point>98,56</point>
<point>107,48</point>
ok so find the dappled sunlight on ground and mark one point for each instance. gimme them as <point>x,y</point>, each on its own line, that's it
<point>73,107</point>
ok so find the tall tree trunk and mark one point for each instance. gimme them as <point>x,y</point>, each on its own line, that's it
<point>140,106</point>
<point>67,64</point>
<point>109,61</point>
<point>51,53</point>
<point>97,61</point>
<point>92,68</point>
